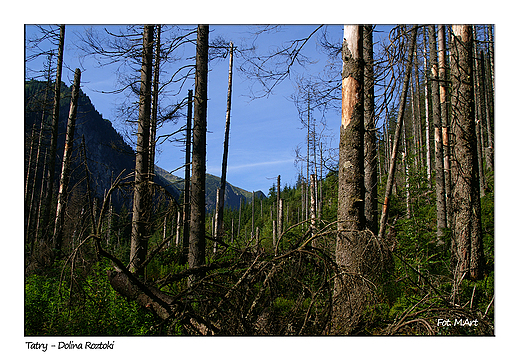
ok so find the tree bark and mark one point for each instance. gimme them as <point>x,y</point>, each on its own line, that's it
<point>467,251</point>
<point>418,119</point>
<point>399,125</point>
<point>187,173</point>
<point>438,136</point>
<point>427,112</point>
<point>487,106</point>
<point>197,247</point>
<point>370,152</point>
<point>446,131</point>
<point>478,116</point>
<point>142,196</point>
<point>155,101</point>
<point>65,170</point>
<point>350,302</point>
<point>222,190</point>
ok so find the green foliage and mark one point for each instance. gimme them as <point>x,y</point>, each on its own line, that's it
<point>90,307</point>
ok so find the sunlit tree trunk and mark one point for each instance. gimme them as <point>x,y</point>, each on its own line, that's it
<point>397,136</point>
<point>65,169</point>
<point>445,122</point>
<point>427,112</point>
<point>467,251</point>
<point>197,252</point>
<point>142,197</point>
<point>313,205</point>
<point>350,301</point>
<point>437,129</point>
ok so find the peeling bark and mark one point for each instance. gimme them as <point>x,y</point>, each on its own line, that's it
<point>438,139</point>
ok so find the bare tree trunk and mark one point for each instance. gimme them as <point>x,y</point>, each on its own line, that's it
<point>239,219</point>
<point>279,218</point>
<point>280,222</point>
<point>350,301</point>
<point>370,152</point>
<point>313,206</point>
<point>438,137</point>
<point>65,170</point>
<point>31,198</point>
<point>155,101</point>
<point>221,191</point>
<point>253,216</point>
<point>142,196</point>
<point>427,113</point>
<point>407,170</point>
<point>178,228</point>
<point>446,146</point>
<point>186,206</point>
<point>399,125</point>
<point>491,46</point>
<point>49,177</point>
<point>415,140</point>
<point>418,120</point>
<point>487,106</point>
<point>109,220</point>
<point>467,250</point>
<point>478,116</point>
<point>197,247</point>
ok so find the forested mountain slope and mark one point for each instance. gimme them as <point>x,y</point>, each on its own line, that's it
<point>108,155</point>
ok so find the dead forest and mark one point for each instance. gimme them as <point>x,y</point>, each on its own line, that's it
<point>388,229</point>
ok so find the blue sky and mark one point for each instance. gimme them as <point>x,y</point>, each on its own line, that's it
<point>264,132</point>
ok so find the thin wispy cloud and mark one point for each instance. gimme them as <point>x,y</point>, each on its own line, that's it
<point>240,167</point>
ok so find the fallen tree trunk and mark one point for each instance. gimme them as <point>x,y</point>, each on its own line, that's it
<point>160,303</point>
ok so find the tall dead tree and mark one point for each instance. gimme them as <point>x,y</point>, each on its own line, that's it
<point>397,136</point>
<point>51,160</point>
<point>313,205</point>
<point>438,139</point>
<point>349,301</point>
<point>142,195</point>
<point>427,110</point>
<point>187,174</point>
<point>370,152</point>
<point>155,100</point>
<point>35,179</point>
<point>487,113</point>
<point>445,120</point>
<point>221,191</point>
<point>278,218</point>
<point>197,246</point>
<point>65,168</point>
<point>467,248</point>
